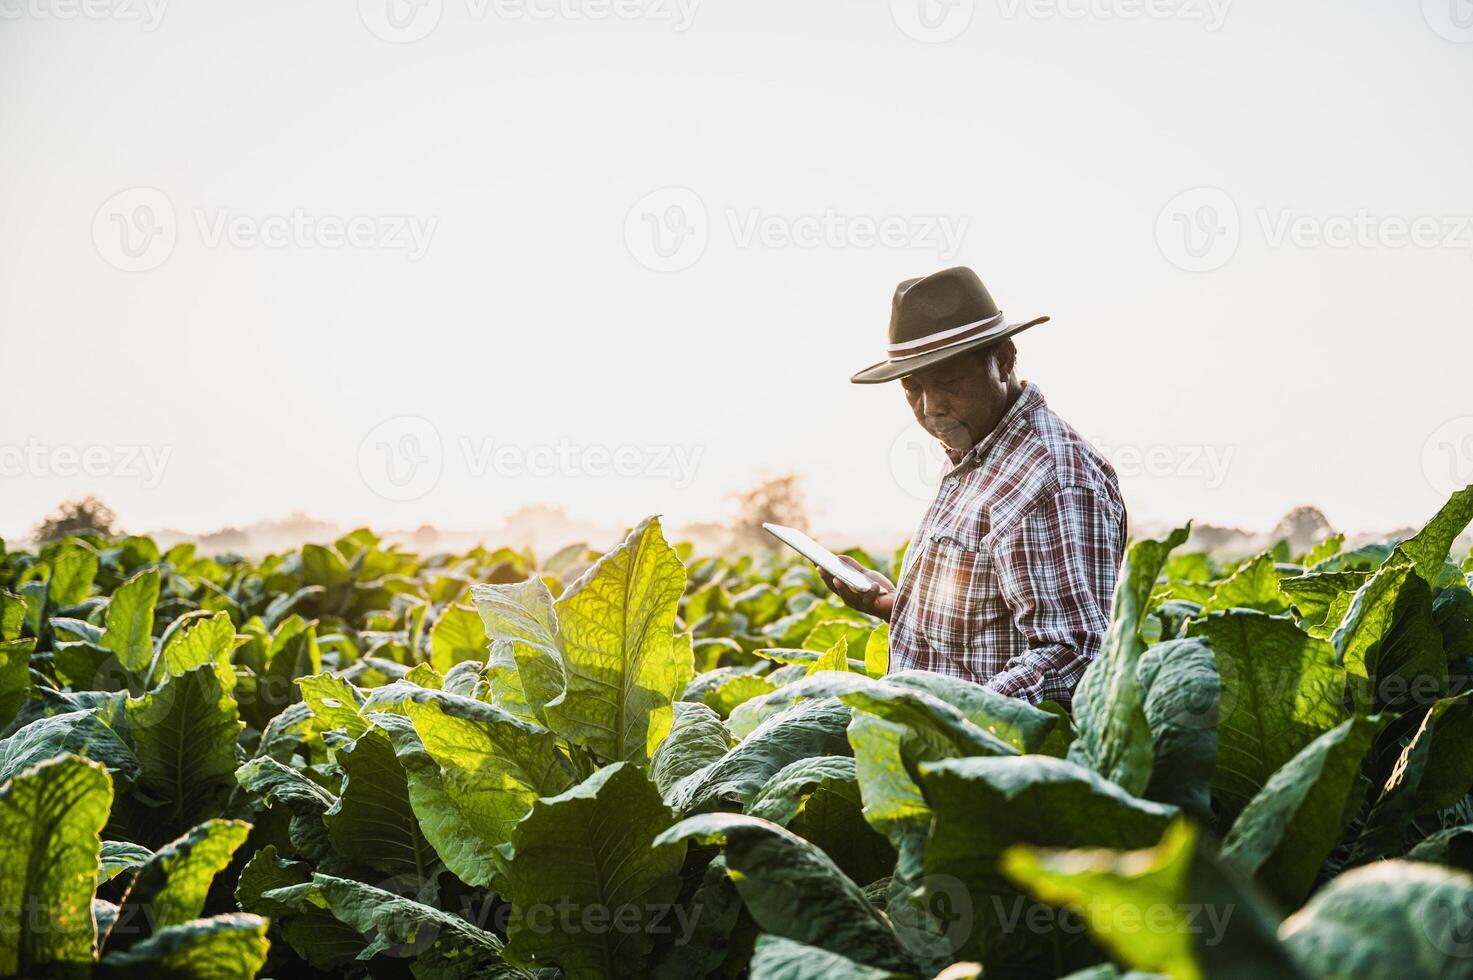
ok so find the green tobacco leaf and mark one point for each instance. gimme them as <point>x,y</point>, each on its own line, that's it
<point>334,702</point>
<point>15,677</point>
<point>72,575</point>
<point>735,689</point>
<point>814,727</point>
<point>457,636</point>
<point>593,848</point>
<point>1322,598</point>
<point>372,822</point>
<point>185,737</point>
<point>467,854</point>
<point>526,653</point>
<point>1428,548</point>
<point>12,615</point>
<point>80,733</point>
<point>50,817</point>
<point>1015,721</point>
<point>171,887</point>
<point>835,658</point>
<point>129,632</point>
<point>776,958</point>
<point>1114,736</point>
<point>1280,690</point>
<point>441,944</point>
<point>877,651</point>
<point>697,739</point>
<point>624,667</point>
<point>222,947</point>
<point>794,890</point>
<point>1182,702</point>
<point>1326,548</point>
<point>1389,644</point>
<point>885,755</point>
<point>1027,800</point>
<point>492,766</point>
<point>1286,831</point>
<point>198,641</point>
<point>1165,910</point>
<point>1255,585</point>
<point>119,856</point>
<point>1394,919</point>
<point>819,800</point>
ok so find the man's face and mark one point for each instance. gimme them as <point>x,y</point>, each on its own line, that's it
<point>961,399</point>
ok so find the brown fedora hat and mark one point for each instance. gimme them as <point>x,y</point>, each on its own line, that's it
<point>936,317</point>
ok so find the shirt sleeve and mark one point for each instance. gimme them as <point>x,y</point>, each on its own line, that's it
<point>1056,570</point>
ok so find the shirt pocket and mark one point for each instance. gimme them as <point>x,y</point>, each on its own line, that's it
<point>956,584</point>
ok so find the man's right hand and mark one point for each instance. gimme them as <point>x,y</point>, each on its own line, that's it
<point>878,601</point>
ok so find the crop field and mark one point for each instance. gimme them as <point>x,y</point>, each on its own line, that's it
<point>352,760</point>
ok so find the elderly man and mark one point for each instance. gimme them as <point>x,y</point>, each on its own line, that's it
<point>1008,579</point>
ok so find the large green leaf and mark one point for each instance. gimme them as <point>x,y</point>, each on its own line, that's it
<point>624,666</point>
<point>1114,736</point>
<point>457,636</point>
<point>184,733</point>
<point>15,677</point>
<point>776,958</point>
<point>80,733</point>
<point>697,739</point>
<point>819,800</point>
<point>171,887</point>
<point>12,615</point>
<point>1026,800</point>
<point>793,889</point>
<point>1428,548</point>
<point>199,640</point>
<point>1013,720</point>
<point>1394,920</point>
<point>1165,910</point>
<point>222,947</point>
<point>1182,701</point>
<point>1255,585</point>
<point>1389,644</point>
<point>372,821</point>
<point>1287,830</point>
<point>50,817</point>
<point>813,727</point>
<point>583,861</point>
<point>441,944</point>
<point>129,632</point>
<point>1322,599</point>
<point>492,766</point>
<point>72,575</point>
<point>1280,690</point>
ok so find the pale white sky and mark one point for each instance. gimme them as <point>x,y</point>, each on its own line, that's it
<point>504,305</point>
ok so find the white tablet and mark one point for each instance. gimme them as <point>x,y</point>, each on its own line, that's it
<point>820,556</point>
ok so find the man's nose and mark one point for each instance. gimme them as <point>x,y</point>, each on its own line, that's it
<point>932,404</point>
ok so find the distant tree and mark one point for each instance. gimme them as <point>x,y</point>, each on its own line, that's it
<point>426,536</point>
<point>776,500</point>
<point>1303,528</point>
<point>86,516</point>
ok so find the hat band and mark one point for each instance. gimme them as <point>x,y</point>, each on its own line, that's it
<point>946,338</point>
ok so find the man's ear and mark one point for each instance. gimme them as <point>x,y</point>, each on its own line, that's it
<point>1005,355</point>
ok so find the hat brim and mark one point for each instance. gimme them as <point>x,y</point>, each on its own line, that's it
<point>900,367</point>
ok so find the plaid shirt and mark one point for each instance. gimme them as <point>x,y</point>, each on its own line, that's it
<point>1008,579</point>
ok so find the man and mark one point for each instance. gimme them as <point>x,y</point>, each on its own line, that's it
<point>1008,579</point>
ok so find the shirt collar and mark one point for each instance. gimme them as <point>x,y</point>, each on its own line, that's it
<point>1028,400</point>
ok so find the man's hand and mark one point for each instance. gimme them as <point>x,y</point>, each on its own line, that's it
<point>878,601</point>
